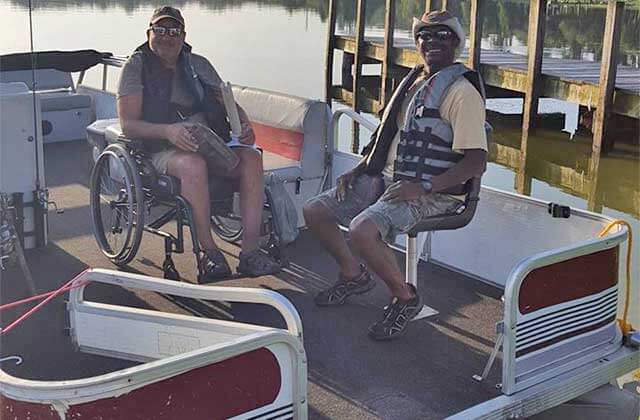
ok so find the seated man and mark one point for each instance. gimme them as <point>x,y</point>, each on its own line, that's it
<point>161,84</point>
<point>441,144</point>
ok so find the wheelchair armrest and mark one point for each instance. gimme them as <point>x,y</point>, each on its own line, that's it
<point>135,144</point>
<point>113,134</point>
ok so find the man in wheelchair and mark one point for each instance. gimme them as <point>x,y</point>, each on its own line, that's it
<point>163,90</point>
<point>430,144</point>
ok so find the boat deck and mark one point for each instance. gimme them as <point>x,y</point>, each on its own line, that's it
<point>425,374</point>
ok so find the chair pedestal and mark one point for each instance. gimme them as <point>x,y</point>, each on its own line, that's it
<point>415,244</point>
<point>417,236</point>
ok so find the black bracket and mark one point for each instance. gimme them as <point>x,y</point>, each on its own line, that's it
<point>557,210</point>
<point>298,182</point>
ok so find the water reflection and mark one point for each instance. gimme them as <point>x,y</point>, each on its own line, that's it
<point>572,31</point>
<point>319,6</point>
<point>557,160</point>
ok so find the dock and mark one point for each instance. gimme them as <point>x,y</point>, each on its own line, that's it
<point>609,88</point>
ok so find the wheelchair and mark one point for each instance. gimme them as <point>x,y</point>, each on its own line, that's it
<point>125,190</point>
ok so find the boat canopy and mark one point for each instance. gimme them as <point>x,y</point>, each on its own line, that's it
<point>67,61</point>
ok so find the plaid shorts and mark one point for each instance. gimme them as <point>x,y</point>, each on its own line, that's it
<point>391,219</point>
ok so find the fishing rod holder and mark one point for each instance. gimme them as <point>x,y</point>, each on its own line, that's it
<point>42,196</point>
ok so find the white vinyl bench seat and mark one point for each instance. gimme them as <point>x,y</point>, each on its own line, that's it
<point>65,113</point>
<point>286,168</point>
<point>64,101</point>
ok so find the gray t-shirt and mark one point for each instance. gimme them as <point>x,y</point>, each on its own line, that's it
<point>131,79</point>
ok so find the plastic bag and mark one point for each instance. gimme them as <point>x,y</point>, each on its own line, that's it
<point>285,216</point>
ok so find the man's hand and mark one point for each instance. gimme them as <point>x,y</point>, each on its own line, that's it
<point>344,182</point>
<point>403,191</point>
<point>179,134</point>
<point>247,135</point>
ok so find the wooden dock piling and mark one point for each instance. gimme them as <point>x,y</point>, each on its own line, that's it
<point>610,45</point>
<point>328,94</point>
<point>389,27</point>
<point>537,20</point>
<point>508,74</point>
<point>357,71</point>
<point>475,33</point>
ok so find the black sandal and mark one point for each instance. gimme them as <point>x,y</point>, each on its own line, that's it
<point>213,267</point>
<point>257,263</point>
<point>339,292</point>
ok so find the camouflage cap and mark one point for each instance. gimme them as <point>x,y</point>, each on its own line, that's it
<point>166,12</point>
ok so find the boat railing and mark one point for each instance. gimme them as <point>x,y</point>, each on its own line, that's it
<point>111,61</point>
<point>536,323</point>
<point>286,309</point>
<point>182,355</point>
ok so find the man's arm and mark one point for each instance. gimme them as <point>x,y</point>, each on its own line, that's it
<point>130,115</point>
<point>473,164</point>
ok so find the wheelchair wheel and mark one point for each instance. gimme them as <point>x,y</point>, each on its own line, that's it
<point>117,204</point>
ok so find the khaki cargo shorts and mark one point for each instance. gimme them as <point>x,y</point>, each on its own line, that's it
<point>160,160</point>
<point>391,219</point>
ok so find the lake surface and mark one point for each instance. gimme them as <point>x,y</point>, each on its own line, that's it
<point>280,45</point>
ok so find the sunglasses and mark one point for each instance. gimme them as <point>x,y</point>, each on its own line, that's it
<point>441,35</point>
<point>162,31</point>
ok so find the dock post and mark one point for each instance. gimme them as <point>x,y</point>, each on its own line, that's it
<point>357,71</point>
<point>475,34</point>
<point>328,77</point>
<point>608,69</point>
<point>389,26</point>
<point>537,20</point>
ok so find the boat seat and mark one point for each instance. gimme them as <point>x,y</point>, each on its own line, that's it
<point>64,101</point>
<point>13,88</point>
<point>457,220</point>
<point>65,113</point>
<point>294,134</point>
<point>286,168</point>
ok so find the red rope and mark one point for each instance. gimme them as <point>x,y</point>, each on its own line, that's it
<point>48,297</point>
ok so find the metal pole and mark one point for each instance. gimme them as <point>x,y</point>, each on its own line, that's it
<point>412,261</point>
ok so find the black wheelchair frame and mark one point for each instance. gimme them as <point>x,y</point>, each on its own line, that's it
<point>124,182</point>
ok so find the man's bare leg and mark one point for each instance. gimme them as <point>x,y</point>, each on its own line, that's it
<point>325,228</point>
<point>251,188</point>
<point>379,256</point>
<point>191,169</point>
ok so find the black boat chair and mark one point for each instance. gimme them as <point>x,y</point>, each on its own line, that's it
<point>451,221</point>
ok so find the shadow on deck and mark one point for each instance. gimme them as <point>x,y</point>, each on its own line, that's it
<point>425,374</point>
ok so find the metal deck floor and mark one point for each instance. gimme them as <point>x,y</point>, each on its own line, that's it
<point>425,374</point>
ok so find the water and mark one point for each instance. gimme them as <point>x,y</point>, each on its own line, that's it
<point>280,45</point>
